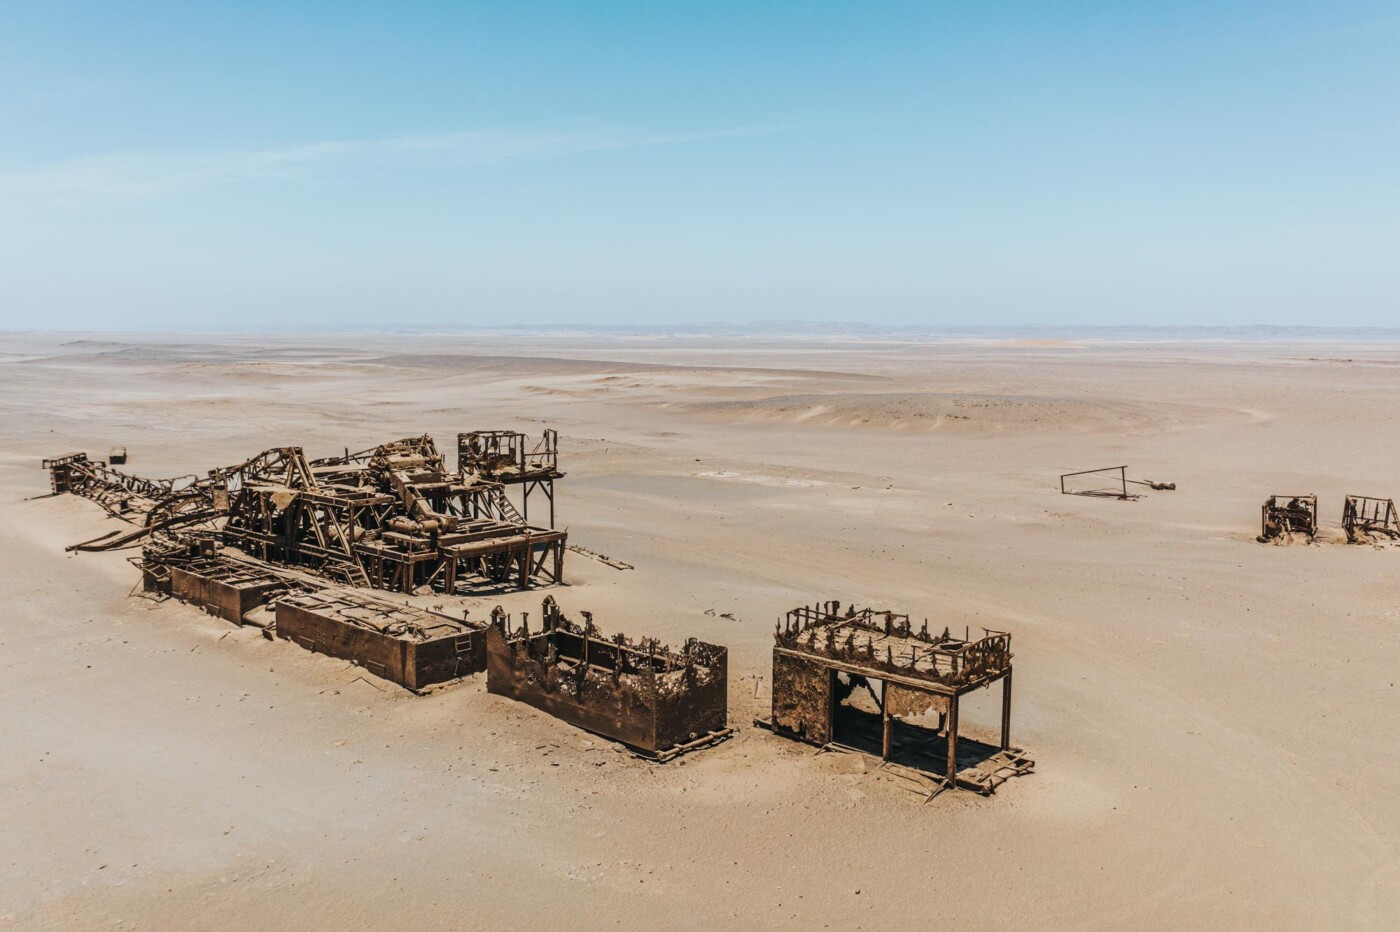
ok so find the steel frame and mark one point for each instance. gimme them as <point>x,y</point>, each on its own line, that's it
<point>1365,518</point>
<point>504,456</point>
<point>918,672</point>
<point>1282,516</point>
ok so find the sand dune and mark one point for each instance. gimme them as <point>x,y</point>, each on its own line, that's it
<point>964,414</point>
<point>1209,715</point>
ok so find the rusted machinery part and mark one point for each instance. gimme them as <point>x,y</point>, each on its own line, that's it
<point>109,542</point>
<point>704,741</point>
<point>601,558</point>
<point>1159,486</point>
<point>90,545</point>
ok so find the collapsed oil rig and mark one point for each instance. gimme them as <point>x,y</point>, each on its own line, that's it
<point>311,551</point>
<point>299,547</point>
<point>390,517</point>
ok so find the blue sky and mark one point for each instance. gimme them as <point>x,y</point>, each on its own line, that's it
<point>247,166</point>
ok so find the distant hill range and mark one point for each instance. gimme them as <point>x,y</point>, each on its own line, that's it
<point>1255,333</point>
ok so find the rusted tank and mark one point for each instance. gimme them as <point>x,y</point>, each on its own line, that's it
<point>411,646</point>
<point>222,587</point>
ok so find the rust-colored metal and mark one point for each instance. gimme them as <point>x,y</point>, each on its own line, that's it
<point>390,517</point>
<point>61,469</point>
<point>1367,520</point>
<point>1108,482</point>
<point>1284,516</point>
<point>226,588</point>
<point>508,457</point>
<point>907,685</point>
<point>404,644</point>
<point>656,701</point>
<point>152,505</point>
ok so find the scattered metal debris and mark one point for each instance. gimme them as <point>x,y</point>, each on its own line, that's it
<point>117,456</point>
<point>823,658</point>
<point>1366,519</point>
<point>1286,515</point>
<point>601,558</point>
<point>1109,482</point>
<point>658,702</point>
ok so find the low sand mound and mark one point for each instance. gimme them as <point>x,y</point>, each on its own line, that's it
<point>927,411</point>
<point>1043,343</point>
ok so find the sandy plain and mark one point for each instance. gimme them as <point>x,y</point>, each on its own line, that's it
<point>1214,720</point>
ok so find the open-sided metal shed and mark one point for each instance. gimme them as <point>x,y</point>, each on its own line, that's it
<point>912,683</point>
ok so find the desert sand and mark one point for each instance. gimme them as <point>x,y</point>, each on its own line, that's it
<point>1213,719</point>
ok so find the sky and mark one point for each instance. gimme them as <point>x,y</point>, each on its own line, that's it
<point>342,165</point>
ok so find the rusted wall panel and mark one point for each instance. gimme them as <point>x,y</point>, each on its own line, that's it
<point>700,703</point>
<point>651,709</point>
<point>447,658</point>
<point>624,710</point>
<point>802,698</point>
<point>907,702</point>
<point>380,655</point>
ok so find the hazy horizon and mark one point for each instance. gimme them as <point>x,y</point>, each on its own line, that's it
<point>911,164</point>
<point>782,330</point>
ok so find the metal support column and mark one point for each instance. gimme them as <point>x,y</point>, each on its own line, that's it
<point>1006,712</point>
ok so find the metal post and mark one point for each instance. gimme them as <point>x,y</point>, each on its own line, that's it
<point>1006,711</point>
<point>952,740</point>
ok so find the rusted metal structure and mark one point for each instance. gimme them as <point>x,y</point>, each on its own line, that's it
<point>193,568</point>
<point>223,587</point>
<point>1108,482</point>
<point>405,644</point>
<point>866,680</point>
<point>411,646</point>
<point>61,471</point>
<point>658,702</point>
<point>1282,516</point>
<point>390,517</point>
<point>507,457</point>
<point>152,505</point>
<point>1367,519</point>
<point>120,494</point>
